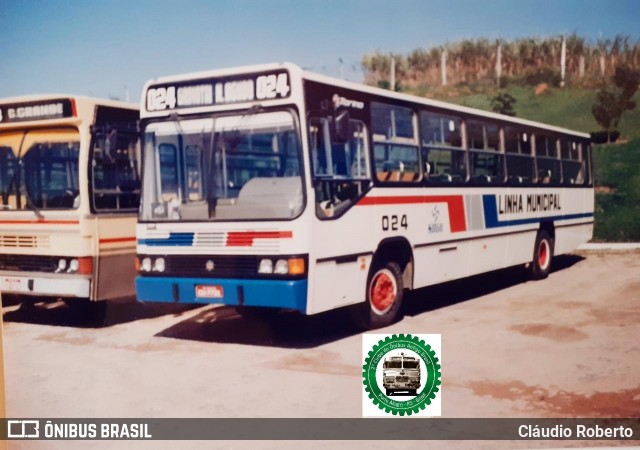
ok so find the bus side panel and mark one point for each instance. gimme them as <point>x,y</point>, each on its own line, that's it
<point>344,247</point>
<point>116,261</point>
<point>569,236</point>
<point>339,284</point>
<point>439,263</point>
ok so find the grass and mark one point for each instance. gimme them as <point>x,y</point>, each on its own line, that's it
<point>616,166</point>
<point>617,215</point>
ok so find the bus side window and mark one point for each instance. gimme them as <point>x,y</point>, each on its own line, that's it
<point>520,161</point>
<point>586,157</point>
<point>116,181</point>
<point>395,148</point>
<point>547,160</point>
<point>445,158</point>
<point>573,167</point>
<point>485,159</point>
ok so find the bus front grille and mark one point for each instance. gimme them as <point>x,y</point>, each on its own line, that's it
<point>28,263</point>
<point>219,266</point>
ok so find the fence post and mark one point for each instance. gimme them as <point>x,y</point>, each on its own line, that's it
<point>499,65</point>
<point>392,81</point>
<point>443,64</point>
<point>563,61</point>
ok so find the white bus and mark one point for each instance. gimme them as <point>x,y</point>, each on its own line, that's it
<point>272,187</point>
<point>69,197</point>
<point>401,373</point>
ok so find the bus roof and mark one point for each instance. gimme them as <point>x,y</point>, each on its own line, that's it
<point>52,109</point>
<point>297,71</point>
<point>440,104</point>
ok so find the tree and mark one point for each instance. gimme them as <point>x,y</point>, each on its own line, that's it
<point>503,104</point>
<point>614,99</point>
<point>627,80</point>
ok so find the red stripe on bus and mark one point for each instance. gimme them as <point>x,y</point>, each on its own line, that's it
<point>40,221</point>
<point>113,240</point>
<point>245,238</point>
<point>455,204</point>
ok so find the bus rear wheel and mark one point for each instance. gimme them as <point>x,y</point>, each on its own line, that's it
<point>384,296</point>
<point>542,256</point>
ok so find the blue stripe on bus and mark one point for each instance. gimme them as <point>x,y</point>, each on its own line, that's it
<point>491,215</point>
<point>174,239</point>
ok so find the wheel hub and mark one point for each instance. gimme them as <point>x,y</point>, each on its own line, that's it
<point>383,292</point>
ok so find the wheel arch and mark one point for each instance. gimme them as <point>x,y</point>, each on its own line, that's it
<point>399,250</point>
<point>549,227</point>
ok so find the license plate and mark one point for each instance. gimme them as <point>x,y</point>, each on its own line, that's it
<point>209,291</point>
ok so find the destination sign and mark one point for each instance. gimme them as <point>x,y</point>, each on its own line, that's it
<point>218,91</point>
<point>35,110</point>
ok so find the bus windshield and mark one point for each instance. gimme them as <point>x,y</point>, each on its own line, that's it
<point>39,170</point>
<point>245,166</point>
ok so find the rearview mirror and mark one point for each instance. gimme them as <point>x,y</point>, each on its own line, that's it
<point>341,127</point>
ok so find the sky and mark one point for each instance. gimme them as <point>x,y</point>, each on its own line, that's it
<point>110,48</point>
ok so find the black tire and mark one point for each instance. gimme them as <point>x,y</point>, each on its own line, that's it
<point>11,299</point>
<point>542,256</point>
<point>378,311</point>
<point>257,312</point>
<point>389,392</point>
<point>413,392</point>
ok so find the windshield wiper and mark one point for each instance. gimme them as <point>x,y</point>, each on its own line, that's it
<point>228,137</point>
<point>17,182</point>
<point>30,202</point>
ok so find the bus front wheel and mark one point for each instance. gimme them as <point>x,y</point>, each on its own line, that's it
<point>542,256</point>
<point>383,298</point>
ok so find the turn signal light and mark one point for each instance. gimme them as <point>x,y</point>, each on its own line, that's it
<point>85,265</point>
<point>296,266</point>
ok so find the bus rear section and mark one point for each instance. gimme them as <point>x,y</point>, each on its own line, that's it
<point>53,239</point>
<point>223,216</point>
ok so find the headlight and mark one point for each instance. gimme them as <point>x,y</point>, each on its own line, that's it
<point>62,265</point>
<point>74,265</point>
<point>146,265</point>
<point>282,267</point>
<point>158,265</point>
<point>266,266</point>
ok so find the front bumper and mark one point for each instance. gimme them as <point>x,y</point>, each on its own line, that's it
<point>56,285</point>
<point>290,294</point>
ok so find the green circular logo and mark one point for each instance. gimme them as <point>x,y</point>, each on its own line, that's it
<point>395,344</point>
